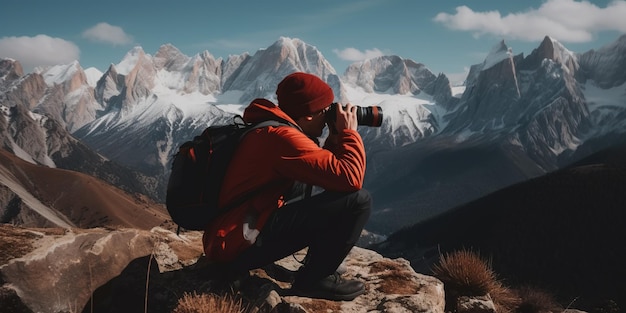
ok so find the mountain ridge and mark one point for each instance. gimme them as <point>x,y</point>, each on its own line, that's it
<point>532,110</point>
<point>561,231</point>
<point>69,199</point>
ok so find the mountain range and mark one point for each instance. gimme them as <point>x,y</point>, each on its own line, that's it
<point>516,117</point>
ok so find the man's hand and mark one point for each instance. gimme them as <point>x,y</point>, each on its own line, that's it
<point>346,119</point>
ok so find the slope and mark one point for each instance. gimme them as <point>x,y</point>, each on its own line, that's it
<point>73,198</point>
<point>563,231</point>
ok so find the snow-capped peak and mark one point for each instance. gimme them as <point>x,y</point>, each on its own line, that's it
<point>59,74</point>
<point>498,53</point>
<point>93,75</point>
<point>561,54</point>
<point>129,61</point>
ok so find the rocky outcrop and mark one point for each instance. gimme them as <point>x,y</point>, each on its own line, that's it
<point>533,103</point>
<point>105,270</point>
<point>10,70</point>
<point>389,74</point>
<point>56,270</point>
<point>200,73</point>
<point>392,286</point>
<point>69,98</point>
<point>26,91</point>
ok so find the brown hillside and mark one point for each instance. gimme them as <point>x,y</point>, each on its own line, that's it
<point>84,200</point>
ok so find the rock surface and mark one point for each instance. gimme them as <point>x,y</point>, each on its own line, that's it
<point>123,270</point>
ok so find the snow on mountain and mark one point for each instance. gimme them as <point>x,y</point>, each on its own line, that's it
<point>70,96</point>
<point>516,117</point>
<point>406,118</point>
<point>498,53</point>
<point>389,74</point>
<point>177,71</point>
<point>562,54</point>
<point>59,74</point>
<point>258,76</point>
<point>130,60</point>
<point>143,130</point>
<point>93,75</point>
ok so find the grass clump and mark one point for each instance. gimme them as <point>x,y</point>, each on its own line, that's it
<point>208,303</point>
<point>536,300</point>
<point>465,273</point>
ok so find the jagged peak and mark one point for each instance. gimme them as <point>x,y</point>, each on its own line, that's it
<point>552,49</point>
<point>10,69</point>
<point>389,59</point>
<point>58,74</point>
<point>169,57</point>
<point>498,53</point>
<point>168,50</point>
<point>291,44</point>
<point>130,60</point>
<point>167,46</point>
<point>206,55</point>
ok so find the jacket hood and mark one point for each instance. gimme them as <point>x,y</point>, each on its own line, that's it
<point>262,109</point>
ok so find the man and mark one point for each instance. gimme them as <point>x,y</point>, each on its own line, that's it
<point>273,159</point>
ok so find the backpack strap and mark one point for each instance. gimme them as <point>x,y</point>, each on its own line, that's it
<point>276,122</point>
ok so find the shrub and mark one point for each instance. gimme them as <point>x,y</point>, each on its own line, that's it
<point>465,273</point>
<point>206,303</point>
<point>535,300</point>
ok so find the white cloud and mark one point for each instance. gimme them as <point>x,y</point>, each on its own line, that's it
<point>107,33</point>
<point>564,20</point>
<point>41,50</point>
<point>353,55</point>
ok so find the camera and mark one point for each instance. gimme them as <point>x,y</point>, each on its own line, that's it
<point>366,116</point>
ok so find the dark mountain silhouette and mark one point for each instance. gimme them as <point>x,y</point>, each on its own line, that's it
<point>563,231</point>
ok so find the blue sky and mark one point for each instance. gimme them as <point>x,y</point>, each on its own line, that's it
<point>447,36</point>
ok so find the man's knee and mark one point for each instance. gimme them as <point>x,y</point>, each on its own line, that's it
<point>362,200</point>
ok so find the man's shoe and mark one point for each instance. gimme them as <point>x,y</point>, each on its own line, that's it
<point>333,287</point>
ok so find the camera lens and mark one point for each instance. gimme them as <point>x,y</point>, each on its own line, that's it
<point>366,116</point>
<point>369,116</point>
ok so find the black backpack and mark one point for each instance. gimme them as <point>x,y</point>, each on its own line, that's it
<point>198,169</point>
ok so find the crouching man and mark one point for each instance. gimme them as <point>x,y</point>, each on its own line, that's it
<point>265,228</point>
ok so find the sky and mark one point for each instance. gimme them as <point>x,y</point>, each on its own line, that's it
<point>446,36</point>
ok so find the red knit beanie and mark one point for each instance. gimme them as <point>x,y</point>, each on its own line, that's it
<point>301,94</point>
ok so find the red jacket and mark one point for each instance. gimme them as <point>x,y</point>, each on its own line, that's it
<point>274,158</point>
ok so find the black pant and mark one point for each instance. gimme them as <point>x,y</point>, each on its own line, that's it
<point>329,224</point>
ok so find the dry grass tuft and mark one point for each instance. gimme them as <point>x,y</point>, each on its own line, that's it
<point>465,273</point>
<point>208,303</point>
<point>504,299</point>
<point>537,301</point>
